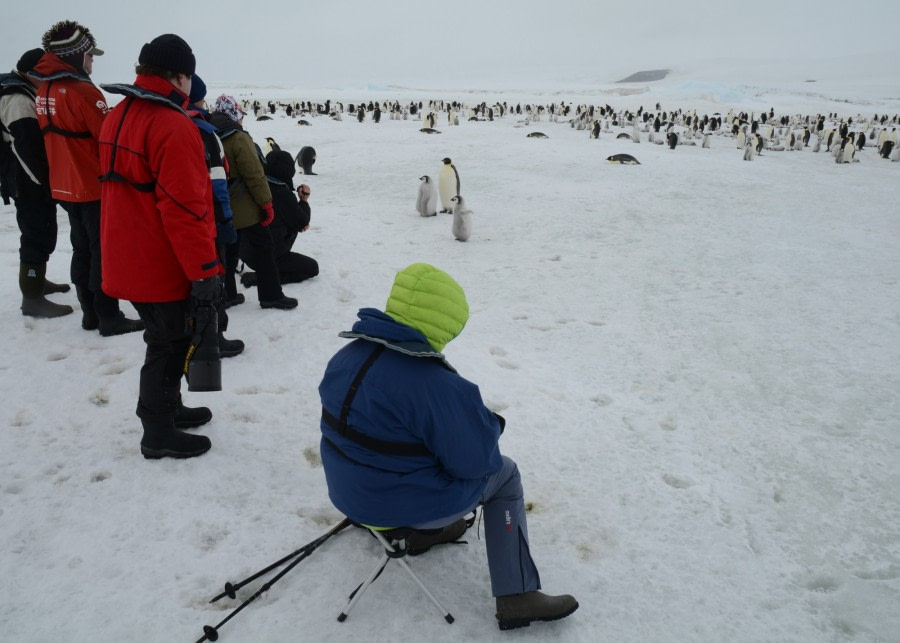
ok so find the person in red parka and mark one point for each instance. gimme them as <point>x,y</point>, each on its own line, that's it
<point>158,231</point>
<point>70,110</point>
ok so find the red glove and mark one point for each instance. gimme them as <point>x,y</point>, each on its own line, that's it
<point>267,214</point>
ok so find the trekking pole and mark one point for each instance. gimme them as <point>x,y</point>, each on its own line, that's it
<point>211,633</point>
<point>232,588</point>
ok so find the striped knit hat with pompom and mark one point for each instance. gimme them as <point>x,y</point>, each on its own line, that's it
<point>70,41</point>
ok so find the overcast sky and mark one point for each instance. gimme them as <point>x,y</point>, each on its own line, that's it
<point>343,43</point>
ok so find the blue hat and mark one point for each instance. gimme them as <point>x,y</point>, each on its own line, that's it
<point>198,89</point>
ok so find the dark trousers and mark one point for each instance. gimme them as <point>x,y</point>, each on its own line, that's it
<point>36,216</point>
<point>294,267</point>
<point>222,251</point>
<point>84,219</point>
<point>257,251</point>
<point>167,336</point>
<point>228,255</point>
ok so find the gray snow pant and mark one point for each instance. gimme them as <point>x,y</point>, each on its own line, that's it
<point>506,532</point>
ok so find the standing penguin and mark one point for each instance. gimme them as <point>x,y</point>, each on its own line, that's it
<point>462,219</point>
<point>448,185</point>
<point>426,201</point>
<point>305,159</point>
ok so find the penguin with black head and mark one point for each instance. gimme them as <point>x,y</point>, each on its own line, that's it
<point>448,185</point>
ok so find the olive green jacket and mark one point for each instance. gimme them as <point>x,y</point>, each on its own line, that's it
<point>247,184</point>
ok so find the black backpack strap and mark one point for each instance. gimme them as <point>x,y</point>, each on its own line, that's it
<point>374,444</point>
<point>53,129</point>
<point>112,175</point>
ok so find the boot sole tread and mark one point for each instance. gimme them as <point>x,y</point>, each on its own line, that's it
<point>156,454</point>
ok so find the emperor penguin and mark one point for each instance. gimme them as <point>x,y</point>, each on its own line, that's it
<point>306,157</point>
<point>849,151</point>
<point>271,145</point>
<point>426,201</point>
<point>462,219</point>
<point>448,185</point>
<point>705,144</point>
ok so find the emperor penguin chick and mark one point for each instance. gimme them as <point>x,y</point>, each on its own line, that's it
<point>462,219</point>
<point>426,201</point>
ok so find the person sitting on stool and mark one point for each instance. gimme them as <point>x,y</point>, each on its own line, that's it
<point>406,441</point>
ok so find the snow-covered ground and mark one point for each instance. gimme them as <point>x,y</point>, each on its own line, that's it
<point>697,358</point>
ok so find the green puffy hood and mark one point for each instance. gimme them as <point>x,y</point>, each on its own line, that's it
<point>429,300</point>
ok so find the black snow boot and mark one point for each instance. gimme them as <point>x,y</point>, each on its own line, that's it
<point>248,279</point>
<point>162,440</point>
<point>419,542</point>
<point>170,442</point>
<point>89,319</point>
<point>191,417</point>
<point>230,347</point>
<point>32,285</point>
<point>119,325</point>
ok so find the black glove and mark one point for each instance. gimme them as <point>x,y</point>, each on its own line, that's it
<point>502,421</point>
<point>206,291</point>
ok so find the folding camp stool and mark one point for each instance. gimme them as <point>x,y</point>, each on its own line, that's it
<point>394,543</point>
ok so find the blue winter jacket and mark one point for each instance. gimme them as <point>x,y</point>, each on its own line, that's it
<point>410,395</point>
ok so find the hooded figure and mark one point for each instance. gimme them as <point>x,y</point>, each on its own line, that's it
<point>292,216</point>
<point>407,441</point>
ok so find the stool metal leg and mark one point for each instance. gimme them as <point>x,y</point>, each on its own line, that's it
<point>388,547</point>
<point>362,588</point>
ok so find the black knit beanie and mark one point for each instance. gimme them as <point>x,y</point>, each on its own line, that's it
<point>171,52</point>
<point>29,60</point>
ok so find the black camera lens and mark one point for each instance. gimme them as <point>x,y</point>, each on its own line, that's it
<point>204,367</point>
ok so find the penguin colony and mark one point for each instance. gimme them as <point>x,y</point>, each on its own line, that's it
<point>766,131</point>
<point>841,138</point>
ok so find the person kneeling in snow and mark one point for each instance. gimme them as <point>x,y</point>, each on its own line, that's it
<point>416,446</point>
<point>292,216</point>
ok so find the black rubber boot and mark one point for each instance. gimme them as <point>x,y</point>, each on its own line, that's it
<point>521,610</point>
<point>119,325</point>
<point>190,418</point>
<point>89,319</point>
<point>419,542</point>
<point>31,283</point>
<point>237,300</point>
<point>51,288</point>
<point>230,347</point>
<point>162,440</point>
<point>170,442</point>
<point>284,303</point>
